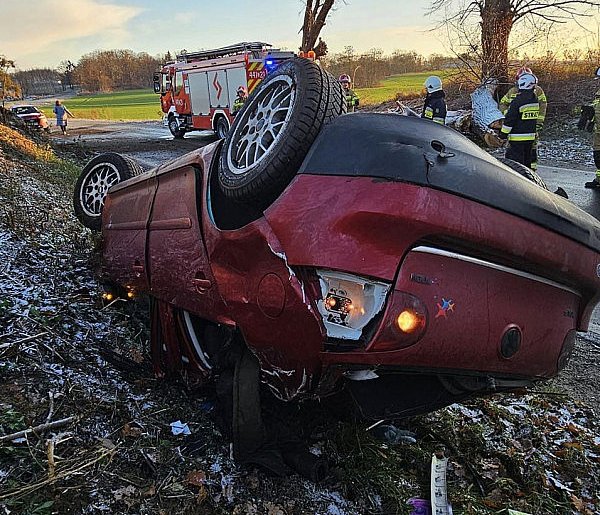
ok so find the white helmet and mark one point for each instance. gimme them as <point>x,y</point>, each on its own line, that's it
<point>527,81</point>
<point>433,83</point>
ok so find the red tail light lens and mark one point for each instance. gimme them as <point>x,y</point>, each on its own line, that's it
<point>404,323</point>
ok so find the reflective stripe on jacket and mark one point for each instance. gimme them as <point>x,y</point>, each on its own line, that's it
<point>435,107</point>
<point>352,99</point>
<point>512,93</point>
<point>238,103</point>
<point>522,117</point>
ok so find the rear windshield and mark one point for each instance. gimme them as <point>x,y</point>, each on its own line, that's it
<point>24,110</point>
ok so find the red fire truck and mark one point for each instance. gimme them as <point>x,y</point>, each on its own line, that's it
<point>198,89</point>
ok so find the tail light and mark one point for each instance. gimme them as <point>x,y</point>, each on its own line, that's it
<point>349,302</point>
<point>404,323</point>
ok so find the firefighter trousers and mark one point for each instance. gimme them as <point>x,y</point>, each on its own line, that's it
<point>520,151</point>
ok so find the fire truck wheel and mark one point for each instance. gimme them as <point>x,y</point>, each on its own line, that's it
<point>221,127</point>
<point>521,169</point>
<point>94,181</point>
<point>174,127</point>
<point>275,129</point>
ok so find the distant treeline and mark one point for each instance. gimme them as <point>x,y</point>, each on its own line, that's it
<point>109,70</point>
<point>367,69</point>
<point>99,71</point>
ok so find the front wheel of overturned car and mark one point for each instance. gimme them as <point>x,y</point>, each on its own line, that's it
<point>94,181</point>
<point>521,169</point>
<point>275,129</point>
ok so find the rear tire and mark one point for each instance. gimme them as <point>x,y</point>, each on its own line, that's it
<point>521,169</point>
<point>275,129</point>
<point>94,181</point>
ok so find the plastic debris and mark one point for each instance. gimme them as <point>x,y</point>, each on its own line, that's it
<point>439,492</point>
<point>389,433</point>
<point>420,506</point>
<point>179,428</point>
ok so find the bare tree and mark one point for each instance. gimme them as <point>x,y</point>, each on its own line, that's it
<point>5,65</point>
<point>315,15</point>
<point>497,19</point>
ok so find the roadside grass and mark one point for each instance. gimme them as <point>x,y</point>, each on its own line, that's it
<point>39,155</point>
<point>407,85</point>
<point>140,104</point>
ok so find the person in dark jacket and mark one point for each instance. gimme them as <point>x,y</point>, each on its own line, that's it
<point>435,105</point>
<point>519,125</point>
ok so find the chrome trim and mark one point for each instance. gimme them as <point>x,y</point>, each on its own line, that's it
<point>501,268</point>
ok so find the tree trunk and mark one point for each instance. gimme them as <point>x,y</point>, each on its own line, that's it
<point>315,15</point>
<point>496,24</point>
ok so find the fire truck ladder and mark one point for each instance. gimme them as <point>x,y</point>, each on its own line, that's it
<point>238,48</point>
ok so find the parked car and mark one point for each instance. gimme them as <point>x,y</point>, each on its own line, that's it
<point>387,254</point>
<point>32,116</point>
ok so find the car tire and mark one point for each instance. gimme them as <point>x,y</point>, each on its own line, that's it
<point>174,127</point>
<point>275,129</point>
<point>94,181</point>
<point>221,127</point>
<point>521,169</point>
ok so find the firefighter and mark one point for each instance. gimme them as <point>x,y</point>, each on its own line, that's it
<point>435,105</point>
<point>542,100</point>
<point>596,145</point>
<point>352,99</point>
<point>238,103</point>
<point>520,122</point>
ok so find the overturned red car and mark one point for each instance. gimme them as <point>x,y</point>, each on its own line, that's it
<point>383,253</point>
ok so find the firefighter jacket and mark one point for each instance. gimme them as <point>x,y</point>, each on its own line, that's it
<point>352,100</point>
<point>522,117</point>
<point>435,107</point>
<point>514,91</point>
<point>238,103</point>
<point>596,104</point>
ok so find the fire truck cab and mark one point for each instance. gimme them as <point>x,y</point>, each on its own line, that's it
<point>198,89</point>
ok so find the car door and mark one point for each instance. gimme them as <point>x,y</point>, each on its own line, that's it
<point>179,269</point>
<point>125,223</point>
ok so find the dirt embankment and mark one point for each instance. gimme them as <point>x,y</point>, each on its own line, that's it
<point>68,357</point>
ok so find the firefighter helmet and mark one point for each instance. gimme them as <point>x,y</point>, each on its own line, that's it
<point>522,70</point>
<point>242,89</point>
<point>527,81</point>
<point>344,78</point>
<point>433,83</point>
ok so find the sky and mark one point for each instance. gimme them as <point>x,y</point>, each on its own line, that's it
<point>42,33</point>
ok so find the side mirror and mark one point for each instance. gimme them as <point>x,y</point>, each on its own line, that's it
<point>157,87</point>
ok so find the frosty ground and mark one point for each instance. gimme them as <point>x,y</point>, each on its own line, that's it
<point>64,352</point>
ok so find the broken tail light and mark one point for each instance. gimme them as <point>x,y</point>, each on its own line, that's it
<point>349,302</point>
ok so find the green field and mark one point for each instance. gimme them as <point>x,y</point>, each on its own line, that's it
<point>407,83</point>
<point>140,104</point>
<point>144,104</point>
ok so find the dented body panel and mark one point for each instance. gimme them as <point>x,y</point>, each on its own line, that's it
<point>362,277</point>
